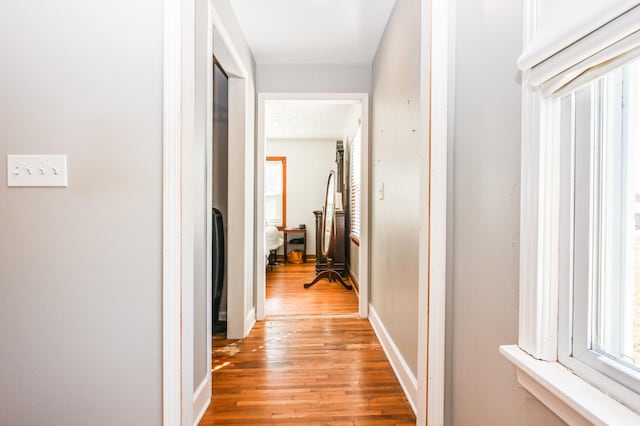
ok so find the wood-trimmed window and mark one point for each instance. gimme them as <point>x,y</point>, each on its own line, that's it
<point>275,192</point>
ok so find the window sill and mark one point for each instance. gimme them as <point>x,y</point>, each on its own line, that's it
<point>569,397</point>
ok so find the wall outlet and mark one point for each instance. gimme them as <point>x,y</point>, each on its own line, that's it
<point>37,170</point>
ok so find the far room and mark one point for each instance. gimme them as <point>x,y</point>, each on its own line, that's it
<point>304,141</point>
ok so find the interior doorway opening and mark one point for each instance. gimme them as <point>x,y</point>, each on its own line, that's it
<point>219,197</point>
<point>314,133</point>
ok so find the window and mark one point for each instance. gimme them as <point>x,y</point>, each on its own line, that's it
<point>275,192</point>
<point>603,345</point>
<point>579,329</point>
<point>355,187</point>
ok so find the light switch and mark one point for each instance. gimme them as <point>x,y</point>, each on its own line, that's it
<point>381,191</point>
<point>37,170</point>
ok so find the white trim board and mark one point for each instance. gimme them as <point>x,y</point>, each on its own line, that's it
<point>202,398</point>
<point>204,392</point>
<point>436,84</point>
<point>250,321</point>
<point>171,219</point>
<point>403,373</point>
<point>235,65</point>
<point>568,396</point>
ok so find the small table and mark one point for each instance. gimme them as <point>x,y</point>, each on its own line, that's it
<point>295,231</point>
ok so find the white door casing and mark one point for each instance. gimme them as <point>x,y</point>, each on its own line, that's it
<point>363,274</point>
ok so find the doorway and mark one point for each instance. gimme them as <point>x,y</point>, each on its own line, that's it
<point>311,131</point>
<point>219,196</point>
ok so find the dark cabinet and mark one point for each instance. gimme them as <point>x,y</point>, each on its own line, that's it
<point>339,244</point>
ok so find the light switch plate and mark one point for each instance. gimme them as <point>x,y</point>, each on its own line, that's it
<point>37,170</point>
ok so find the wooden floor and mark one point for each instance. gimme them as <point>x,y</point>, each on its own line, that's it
<point>312,362</point>
<point>287,296</point>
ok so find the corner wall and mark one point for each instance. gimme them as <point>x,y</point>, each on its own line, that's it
<point>483,262</point>
<point>80,267</point>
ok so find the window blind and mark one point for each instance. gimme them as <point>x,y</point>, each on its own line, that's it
<point>576,41</point>
<point>560,23</point>
<point>354,178</point>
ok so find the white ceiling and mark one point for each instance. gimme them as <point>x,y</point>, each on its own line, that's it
<point>313,31</point>
<point>305,119</point>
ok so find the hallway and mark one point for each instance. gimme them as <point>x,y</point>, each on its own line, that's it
<point>311,362</point>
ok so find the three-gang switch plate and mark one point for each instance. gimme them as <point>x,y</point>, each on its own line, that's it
<point>37,170</point>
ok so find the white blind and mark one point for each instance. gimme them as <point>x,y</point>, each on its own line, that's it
<point>593,67</point>
<point>354,179</point>
<point>560,23</point>
<point>574,40</point>
<point>273,193</point>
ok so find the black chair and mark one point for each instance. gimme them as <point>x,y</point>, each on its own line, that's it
<point>217,270</point>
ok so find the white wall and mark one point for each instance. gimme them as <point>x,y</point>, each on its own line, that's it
<point>313,78</point>
<point>484,221</point>
<point>308,165</point>
<point>395,163</point>
<point>80,280</point>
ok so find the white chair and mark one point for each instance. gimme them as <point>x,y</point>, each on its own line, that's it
<point>272,240</point>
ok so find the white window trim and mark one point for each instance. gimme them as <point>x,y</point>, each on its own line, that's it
<point>573,338</point>
<point>568,396</point>
<point>536,355</point>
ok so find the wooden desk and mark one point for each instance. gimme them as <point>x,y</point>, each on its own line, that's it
<point>295,232</point>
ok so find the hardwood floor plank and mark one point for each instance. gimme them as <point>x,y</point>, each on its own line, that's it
<point>310,363</point>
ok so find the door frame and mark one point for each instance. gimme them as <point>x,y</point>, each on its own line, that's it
<point>188,48</point>
<point>436,94</point>
<point>363,275</point>
<point>171,217</point>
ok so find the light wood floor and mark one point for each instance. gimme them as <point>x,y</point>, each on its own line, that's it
<point>312,362</point>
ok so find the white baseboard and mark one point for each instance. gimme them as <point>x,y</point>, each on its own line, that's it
<point>400,367</point>
<point>250,322</point>
<point>202,399</point>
